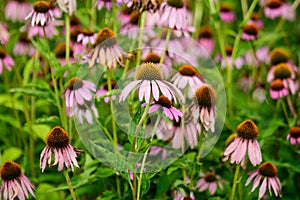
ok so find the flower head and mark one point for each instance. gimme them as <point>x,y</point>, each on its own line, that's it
<point>267,172</point>
<point>278,55</point>
<point>273,9</point>
<point>23,46</point>
<point>41,14</point>
<point>58,143</point>
<point>14,182</point>
<point>226,13</point>
<point>255,18</point>
<point>209,181</point>
<point>104,90</point>
<point>294,135</point>
<point>250,32</point>
<point>5,61</point>
<point>60,53</point>
<point>68,6</point>
<point>16,10</point>
<point>86,36</point>
<point>107,4</point>
<point>278,89</point>
<point>247,133</point>
<point>205,39</point>
<point>85,111</point>
<point>150,83</point>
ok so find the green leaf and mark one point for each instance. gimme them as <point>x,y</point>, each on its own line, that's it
<point>105,172</point>
<point>109,195</point>
<point>145,186</point>
<point>43,192</point>
<point>37,93</point>
<point>39,130</point>
<point>12,153</point>
<point>10,120</point>
<point>27,71</point>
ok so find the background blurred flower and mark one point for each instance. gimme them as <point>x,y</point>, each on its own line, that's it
<point>68,6</point>
<point>294,135</point>
<point>17,10</point>
<point>209,181</point>
<point>5,61</point>
<point>41,14</point>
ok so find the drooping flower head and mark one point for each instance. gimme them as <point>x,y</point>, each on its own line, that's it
<point>204,107</point>
<point>5,61</point>
<point>23,46</point>
<point>86,36</point>
<point>226,13</point>
<point>250,32</point>
<point>245,140</point>
<point>278,89</point>
<point>60,53</point>
<point>14,182</point>
<point>267,172</point>
<point>58,143</point>
<point>206,40</point>
<point>17,10</point>
<point>188,77</point>
<point>68,6</point>
<point>294,135</point>
<point>273,9</point>
<point>150,83</point>
<point>41,14</point>
<point>209,181</point>
<point>107,50</point>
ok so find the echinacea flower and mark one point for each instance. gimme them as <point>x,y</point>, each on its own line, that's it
<point>85,111</point>
<point>4,35</point>
<point>245,140</point>
<point>104,90</point>
<point>150,83</point>
<point>278,55</point>
<point>41,14</point>
<point>50,30</point>
<point>261,56</point>
<point>278,89</point>
<point>107,50</point>
<point>78,47</point>
<point>143,5</point>
<point>238,62</point>
<point>181,195</point>
<point>78,92</point>
<point>170,111</point>
<point>153,57</point>
<point>17,10</point>
<point>174,14</point>
<point>250,32</point>
<point>14,182</point>
<point>206,40</point>
<point>68,6</point>
<point>23,46</point>
<point>156,150</point>
<point>60,53</point>
<point>129,27</point>
<point>204,107</point>
<point>58,143</point>
<point>294,135</point>
<point>86,37</point>
<point>226,13</point>
<point>188,77</point>
<point>107,4</point>
<point>267,172</point>
<point>255,18</point>
<point>209,181</point>
<point>273,9</point>
<point>5,61</point>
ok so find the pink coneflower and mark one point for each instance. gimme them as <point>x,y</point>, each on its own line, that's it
<point>50,30</point>
<point>60,53</point>
<point>14,182</point>
<point>174,14</point>
<point>209,181</point>
<point>107,50</point>
<point>5,61</point>
<point>181,195</point>
<point>250,32</point>
<point>23,46</point>
<point>41,14</point>
<point>4,35</point>
<point>226,13</point>
<point>261,56</point>
<point>17,10</point>
<point>58,143</point>
<point>188,77</point>
<point>294,135</point>
<point>84,111</point>
<point>255,18</point>
<point>78,92</point>
<point>107,4</point>
<point>143,5</point>
<point>156,150</point>
<point>205,39</point>
<point>204,107</point>
<point>68,6</point>
<point>278,89</point>
<point>288,12</point>
<point>78,47</point>
<point>267,172</point>
<point>55,10</point>
<point>273,9</point>
<point>153,57</point>
<point>104,90</point>
<point>238,63</point>
<point>86,37</point>
<point>247,133</point>
<point>170,111</point>
<point>150,83</point>
<point>129,27</point>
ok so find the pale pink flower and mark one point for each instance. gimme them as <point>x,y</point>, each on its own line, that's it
<point>209,181</point>
<point>150,83</point>
<point>294,135</point>
<point>206,40</point>
<point>179,194</point>
<point>23,46</point>
<point>104,91</point>
<point>85,111</point>
<point>267,173</point>
<point>68,6</point>
<point>41,14</point>
<point>58,143</point>
<point>273,9</point>
<point>261,56</point>
<point>278,89</point>
<point>78,47</point>
<point>255,18</point>
<point>5,61</point>
<point>156,150</point>
<point>14,182</point>
<point>245,140</point>
<point>4,34</point>
<point>250,32</point>
<point>107,4</point>
<point>60,53</point>
<point>87,37</point>
<point>226,13</point>
<point>238,62</point>
<point>17,10</point>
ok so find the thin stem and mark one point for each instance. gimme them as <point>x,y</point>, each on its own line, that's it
<point>141,174</point>
<point>236,175</point>
<point>286,115</point>
<point>244,7</point>
<point>67,24</point>
<point>66,174</point>
<point>292,109</point>
<point>128,60</point>
<point>162,58</point>
<point>115,16</point>
<point>141,35</point>
<point>198,16</point>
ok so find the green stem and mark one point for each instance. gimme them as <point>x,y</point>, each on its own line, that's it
<point>66,174</point>
<point>141,175</point>
<point>141,35</point>
<point>286,115</point>
<point>162,58</point>
<point>67,24</point>
<point>115,16</point>
<point>244,7</point>
<point>198,17</point>
<point>235,179</point>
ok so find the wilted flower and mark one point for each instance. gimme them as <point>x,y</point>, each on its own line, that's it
<point>247,133</point>
<point>209,181</point>
<point>68,6</point>
<point>268,172</point>
<point>58,143</point>
<point>294,135</point>
<point>5,61</point>
<point>17,10</point>
<point>150,83</point>
<point>41,14</point>
<point>14,182</point>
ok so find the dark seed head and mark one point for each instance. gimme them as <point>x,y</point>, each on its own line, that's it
<point>225,8</point>
<point>75,83</point>
<point>278,55</point>
<point>149,71</point>
<point>188,70</point>
<point>228,50</point>
<point>75,32</point>
<point>106,35</point>
<point>88,32</point>
<point>210,177</point>
<point>74,21</point>
<point>277,85</point>
<point>134,17</point>
<point>282,71</point>
<point>113,85</point>
<point>2,54</point>
<point>251,29</point>
<point>60,50</point>
<point>268,169</point>
<point>206,97</point>
<point>152,57</point>
<point>57,138</point>
<point>255,16</point>
<point>295,132</point>
<point>247,130</point>
<point>176,3</point>
<point>41,6</point>
<point>10,170</point>
<point>164,101</point>
<point>206,32</point>
<point>273,4</point>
